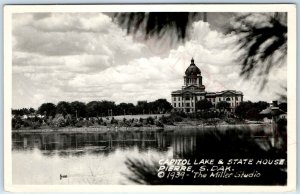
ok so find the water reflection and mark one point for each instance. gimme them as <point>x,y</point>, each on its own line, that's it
<point>82,142</point>
<point>129,153</point>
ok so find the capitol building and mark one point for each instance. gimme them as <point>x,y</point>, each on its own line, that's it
<point>193,91</point>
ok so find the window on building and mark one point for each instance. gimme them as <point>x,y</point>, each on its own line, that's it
<point>213,100</point>
<point>228,99</point>
<point>174,98</point>
<point>178,104</point>
<point>187,104</point>
<point>220,99</point>
<point>174,104</point>
<point>187,98</point>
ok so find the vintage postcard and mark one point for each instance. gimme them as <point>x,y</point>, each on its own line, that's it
<point>150,97</point>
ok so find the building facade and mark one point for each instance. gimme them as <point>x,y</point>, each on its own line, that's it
<point>193,91</point>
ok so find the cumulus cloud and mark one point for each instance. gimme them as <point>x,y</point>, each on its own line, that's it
<point>85,56</point>
<point>63,34</point>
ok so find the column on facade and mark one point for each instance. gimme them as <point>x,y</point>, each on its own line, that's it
<point>194,102</point>
<point>234,101</point>
<point>183,102</point>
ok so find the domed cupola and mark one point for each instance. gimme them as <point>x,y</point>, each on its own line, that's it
<point>193,78</point>
<point>192,69</point>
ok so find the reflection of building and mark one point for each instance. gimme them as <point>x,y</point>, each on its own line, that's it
<point>193,91</point>
<point>184,145</point>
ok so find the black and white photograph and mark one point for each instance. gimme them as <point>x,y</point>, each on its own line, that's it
<point>164,95</point>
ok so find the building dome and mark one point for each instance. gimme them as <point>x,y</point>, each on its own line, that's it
<point>192,69</point>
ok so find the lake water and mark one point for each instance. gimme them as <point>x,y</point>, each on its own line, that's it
<point>102,158</point>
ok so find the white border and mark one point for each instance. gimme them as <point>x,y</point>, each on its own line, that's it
<point>291,70</point>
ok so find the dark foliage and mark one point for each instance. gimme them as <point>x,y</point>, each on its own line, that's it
<point>150,120</point>
<point>203,105</point>
<point>23,111</point>
<point>157,24</point>
<point>166,120</point>
<point>78,109</point>
<point>223,105</point>
<point>283,106</point>
<point>48,109</point>
<point>250,110</point>
<point>264,44</point>
<point>63,108</point>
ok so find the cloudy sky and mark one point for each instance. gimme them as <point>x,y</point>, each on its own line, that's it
<point>86,56</point>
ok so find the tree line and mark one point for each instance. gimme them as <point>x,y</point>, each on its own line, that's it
<point>77,109</point>
<point>245,110</point>
<point>97,108</point>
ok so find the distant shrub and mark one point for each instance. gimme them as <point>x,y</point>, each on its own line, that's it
<point>49,121</point>
<point>212,121</point>
<point>176,118</point>
<point>59,121</point>
<point>231,121</point>
<point>13,123</point>
<point>179,114</point>
<point>27,123</point>
<point>99,121</point>
<point>88,123</point>
<point>138,124</point>
<point>36,125</point>
<point>158,124</point>
<point>79,124</point>
<point>150,120</point>
<point>91,120</point>
<point>191,115</point>
<point>69,120</point>
<point>166,120</point>
<point>113,121</point>
<point>16,123</point>
<point>17,126</point>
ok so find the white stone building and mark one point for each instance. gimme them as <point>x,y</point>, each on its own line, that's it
<point>193,91</point>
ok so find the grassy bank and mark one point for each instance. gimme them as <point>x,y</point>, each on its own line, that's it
<point>171,121</point>
<point>99,129</point>
<point>105,129</point>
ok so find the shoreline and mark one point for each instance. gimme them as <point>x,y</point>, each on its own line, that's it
<point>105,129</point>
